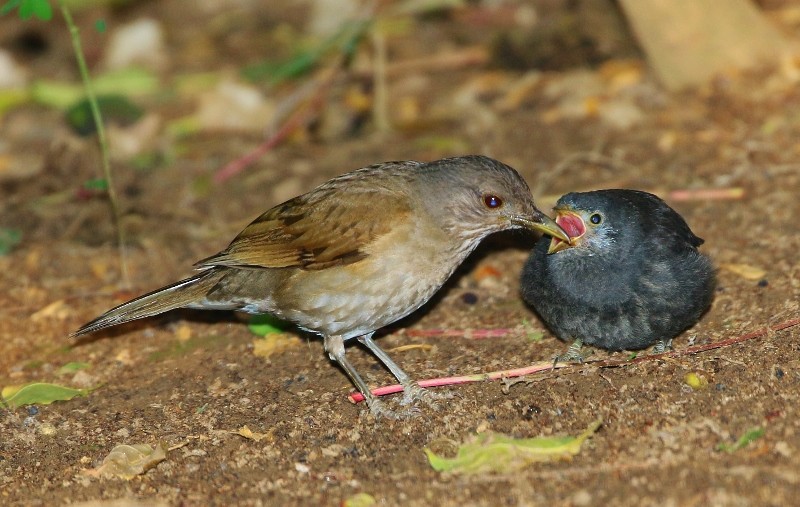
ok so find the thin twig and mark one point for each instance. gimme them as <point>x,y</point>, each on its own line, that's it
<point>471,334</point>
<point>101,137</point>
<point>316,91</point>
<point>357,397</point>
<point>300,117</point>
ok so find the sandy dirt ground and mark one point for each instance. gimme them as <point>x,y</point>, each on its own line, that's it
<point>191,379</point>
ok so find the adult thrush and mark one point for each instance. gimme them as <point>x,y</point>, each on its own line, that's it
<point>630,275</point>
<point>355,254</point>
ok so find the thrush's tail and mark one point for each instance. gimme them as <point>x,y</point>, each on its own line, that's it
<point>188,292</point>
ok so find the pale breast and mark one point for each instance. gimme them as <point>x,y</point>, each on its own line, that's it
<point>401,273</point>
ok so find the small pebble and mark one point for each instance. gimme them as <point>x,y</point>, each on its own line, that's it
<point>469,298</point>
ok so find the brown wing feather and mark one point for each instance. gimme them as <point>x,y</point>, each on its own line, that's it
<point>326,227</point>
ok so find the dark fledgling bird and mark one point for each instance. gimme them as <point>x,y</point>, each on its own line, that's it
<point>355,254</point>
<point>630,276</point>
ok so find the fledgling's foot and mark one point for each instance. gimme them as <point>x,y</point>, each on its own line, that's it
<point>572,355</point>
<point>413,392</point>
<point>661,346</point>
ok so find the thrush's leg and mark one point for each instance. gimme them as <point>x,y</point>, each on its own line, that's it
<point>662,346</point>
<point>411,389</point>
<point>573,354</point>
<point>334,346</point>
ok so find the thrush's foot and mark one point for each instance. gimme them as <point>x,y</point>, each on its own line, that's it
<point>572,355</point>
<point>661,346</point>
<point>413,392</point>
<point>380,410</point>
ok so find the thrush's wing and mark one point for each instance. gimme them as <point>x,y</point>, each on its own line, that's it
<point>329,226</point>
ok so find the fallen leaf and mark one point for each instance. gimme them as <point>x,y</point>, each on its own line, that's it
<point>493,452</point>
<point>73,367</point>
<point>265,324</point>
<point>128,461</point>
<point>56,310</point>
<point>360,500</point>
<point>274,344</point>
<point>412,346</point>
<point>695,381</point>
<point>746,271</point>
<point>183,333</point>
<point>750,435</point>
<point>38,393</point>
<point>9,238</point>
<point>249,434</point>
<point>487,271</point>
<point>124,357</point>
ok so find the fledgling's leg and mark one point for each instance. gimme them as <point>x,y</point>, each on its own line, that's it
<point>573,354</point>
<point>662,346</point>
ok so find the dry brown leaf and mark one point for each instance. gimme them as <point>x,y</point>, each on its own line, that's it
<point>56,310</point>
<point>274,344</point>
<point>746,271</point>
<point>128,461</point>
<point>249,434</point>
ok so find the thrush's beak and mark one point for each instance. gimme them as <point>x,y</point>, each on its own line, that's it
<point>543,224</point>
<point>572,223</point>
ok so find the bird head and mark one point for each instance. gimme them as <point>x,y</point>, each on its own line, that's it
<point>477,195</point>
<point>588,219</point>
<point>615,222</point>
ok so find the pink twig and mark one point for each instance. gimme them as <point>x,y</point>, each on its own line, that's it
<point>471,334</point>
<point>299,118</point>
<point>706,194</point>
<point>317,92</point>
<point>357,397</point>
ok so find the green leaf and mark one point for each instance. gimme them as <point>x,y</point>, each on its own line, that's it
<point>100,26</point>
<point>9,6</point>
<point>130,82</point>
<point>38,393</point>
<point>39,8</point>
<point>302,62</point>
<point>42,9</point>
<point>360,500</point>
<point>9,238</point>
<point>264,324</point>
<point>750,435</point>
<point>493,452</point>
<point>73,367</point>
<point>112,107</point>
<point>96,185</point>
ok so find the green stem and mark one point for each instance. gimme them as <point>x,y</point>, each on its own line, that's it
<point>101,137</point>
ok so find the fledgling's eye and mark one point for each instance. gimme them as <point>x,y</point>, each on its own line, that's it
<point>492,201</point>
<point>596,218</point>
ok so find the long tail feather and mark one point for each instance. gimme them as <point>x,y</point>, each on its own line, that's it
<point>184,293</point>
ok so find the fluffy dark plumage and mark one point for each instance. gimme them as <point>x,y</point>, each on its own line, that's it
<point>632,280</point>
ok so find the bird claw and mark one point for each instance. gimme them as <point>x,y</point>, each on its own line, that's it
<point>381,411</point>
<point>661,346</point>
<point>573,354</point>
<point>414,393</point>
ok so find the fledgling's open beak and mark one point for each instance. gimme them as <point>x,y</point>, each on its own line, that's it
<point>543,224</point>
<point>572,223</point>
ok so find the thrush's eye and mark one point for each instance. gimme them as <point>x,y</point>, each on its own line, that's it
<point>596,218</point>
<point>492,201</point>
